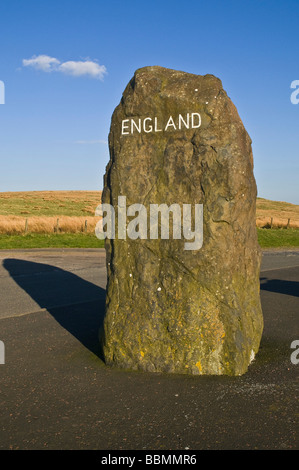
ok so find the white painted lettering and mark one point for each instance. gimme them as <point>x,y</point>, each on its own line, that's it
<point>156,125</point>
<point>133,123</point>
<point>193,120</point>
<point>181,120</point>
<point>150,127</point>
<point>170,122</point>
<point>123,126</point>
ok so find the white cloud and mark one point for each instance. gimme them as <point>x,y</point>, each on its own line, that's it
<point>75,68</point>
<point>42,62</point>
<point>80,68</point>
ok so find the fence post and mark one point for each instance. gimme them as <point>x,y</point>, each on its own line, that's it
<point>26,225</point>
<point>288,224</point>
<point>271,223</point>
<point>85,227</point>
<point>56,229</point>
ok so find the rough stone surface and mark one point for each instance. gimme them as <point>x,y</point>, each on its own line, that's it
<point>169,309</point>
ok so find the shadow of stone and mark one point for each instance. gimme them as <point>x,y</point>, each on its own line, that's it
<point>76,304</point>
<point>281,286</point>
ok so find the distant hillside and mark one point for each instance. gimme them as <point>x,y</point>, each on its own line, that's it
<point>83,204</point>
<point>280,212</point>
<point>50,203</point>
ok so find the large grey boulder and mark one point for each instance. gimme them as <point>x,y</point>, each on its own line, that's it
<point>176,138</point>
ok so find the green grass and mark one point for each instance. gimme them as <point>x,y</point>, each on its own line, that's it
<point>268,238</point>
<point>63,240</point>
<point>278,238</point>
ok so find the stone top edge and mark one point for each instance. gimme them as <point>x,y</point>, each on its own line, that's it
<point>159,68</point>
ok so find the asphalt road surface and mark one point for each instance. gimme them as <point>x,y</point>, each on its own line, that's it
<point>56,392</point>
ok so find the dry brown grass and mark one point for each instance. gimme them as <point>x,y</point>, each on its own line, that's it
<point>12,225</point>
<point>276,222</point>
<point>42,208</point>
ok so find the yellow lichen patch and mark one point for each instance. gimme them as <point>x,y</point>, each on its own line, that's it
<point>141,353</point>
<point>198,365</point>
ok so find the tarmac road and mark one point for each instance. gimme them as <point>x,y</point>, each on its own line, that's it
<point>56,392</point>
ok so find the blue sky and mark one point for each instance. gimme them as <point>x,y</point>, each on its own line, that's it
<point>54,124</point>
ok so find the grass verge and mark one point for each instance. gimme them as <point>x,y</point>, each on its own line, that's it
<point>268,238</point>
<point>61,240</point>
<point>278,238</point>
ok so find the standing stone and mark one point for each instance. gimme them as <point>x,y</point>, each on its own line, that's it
<point>169,309</point>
